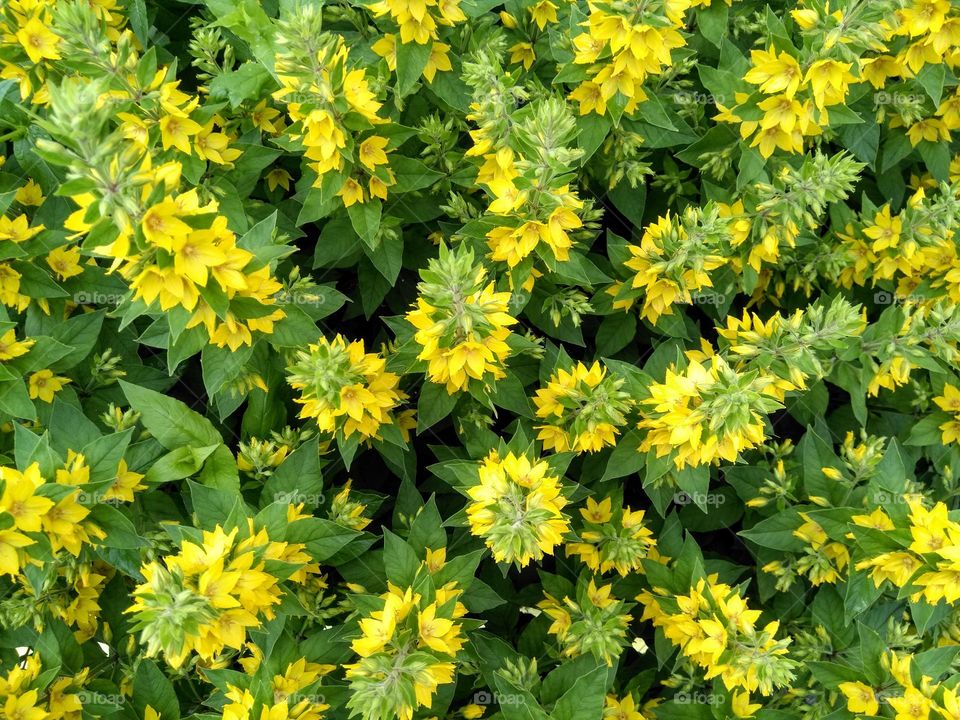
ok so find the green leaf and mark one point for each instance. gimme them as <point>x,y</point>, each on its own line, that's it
<point>712,21</point>
<point>120,532</point>
<point>323,538</point>
<point>776,532</point>
<point>298,478</point>
<point>247,82</point>
<point>387,256</point>
<point>932,77</point>
<point>151,687</point>
<point>222,366</point>
<point>411,60</point>
<point>400,559</point>
<point>926,431</point>
<point>179,463</point>
<point>434,405</point>
<point>411,174</point>
<point>220,471</point>
<point>295,329</point>
<point>171,422</point>
<point>212,506</point>
<point>585,697</point>
<point>365,218</point>
<point>626,458</point>
<point>593,131</point>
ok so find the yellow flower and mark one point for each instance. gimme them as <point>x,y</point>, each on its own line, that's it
<point>774,73</point>
<point>885,230</point>
<point>38,40</point>
<point>278,177</point>
<point>125,484</point>
<point>613,539</point>
<point>371,151</point>
<point>517,508</point>
<point>171,289</point>
<point>11,543</point>
<point>675,256</point>
<point>65,262</point>
<point>741,705</point>
<point>75,471</point>
<point>829,80</point>
<point>11,348</point>
<point>589,97</point>
<point>581,409</point>
<point>161,224</point>
<point>18,229</point>
<point>622,709</point>
<point>897,567</point>
<point>913,705</point>
<point>544,12</point>
<point>377,631</point>
<point>351,192</point>
<point>19,499</point>
<point>522,52</point>
<point>463,343</point>
<point>215,146</point>
<point>439,60</point>
<point>439,634</point>
<point>929,129</point>
<point>950,402</point>
<point>344,388</point>
<point>23,706</point>
<point>679,407</point>
<point>176,131</point>
<point>30,194</point>
<point>44,385</point>
<point>64,527</point>
<point>194,255</point>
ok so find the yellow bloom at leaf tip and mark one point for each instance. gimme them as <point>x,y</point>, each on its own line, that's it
<point>462,342</point>
<point>582,409</point>
<point>517,508</point>
<point>432,359</point>
<point>345,389</point>
<point>711,397</point>
<point>44,385</point>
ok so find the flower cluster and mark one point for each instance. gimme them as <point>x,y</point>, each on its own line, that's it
<point>718,631</point>
<point>593,621</point>
<point>582,409</point>
<point>206,597</point>
<point>517,508</point>
<point>445,359</point>
<point>345,389</point>
<point>613,538</point>
<point>405,650</point>
<point>462,323</point>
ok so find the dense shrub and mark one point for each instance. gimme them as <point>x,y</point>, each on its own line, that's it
<point>468,358</point>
